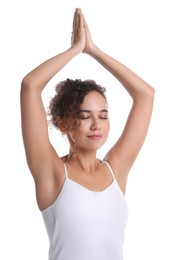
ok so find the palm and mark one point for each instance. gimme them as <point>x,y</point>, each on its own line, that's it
<point>88,40</point>
<point>78,34</point>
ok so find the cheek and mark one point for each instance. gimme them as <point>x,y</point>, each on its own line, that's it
<point>79,133</point>
<point>82,130</point>
<point>107,126</point>
<point>83,127</point>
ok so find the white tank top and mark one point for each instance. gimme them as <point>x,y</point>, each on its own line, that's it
<point>86,225</point>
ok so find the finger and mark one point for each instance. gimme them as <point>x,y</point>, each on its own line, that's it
<point>81,20</point>
<point>77,18</point>
<point>73,25</point>
<point>84,21</point>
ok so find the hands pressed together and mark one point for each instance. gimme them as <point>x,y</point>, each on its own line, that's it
<point>81,35</point>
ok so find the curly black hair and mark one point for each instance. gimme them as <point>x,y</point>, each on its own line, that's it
<point>65,105</point>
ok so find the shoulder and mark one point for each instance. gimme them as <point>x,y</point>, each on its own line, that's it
<point>120,176</point>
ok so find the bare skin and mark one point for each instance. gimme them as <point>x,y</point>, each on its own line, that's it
<point>44,163</point>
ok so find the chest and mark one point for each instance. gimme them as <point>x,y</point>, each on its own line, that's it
<point>98,181</point>
<point>76,205</point>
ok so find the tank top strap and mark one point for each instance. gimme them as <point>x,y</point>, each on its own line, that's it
<point>110,169</point>
<point>66,172</point>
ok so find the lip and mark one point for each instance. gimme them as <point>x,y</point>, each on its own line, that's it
<point>95,137</point>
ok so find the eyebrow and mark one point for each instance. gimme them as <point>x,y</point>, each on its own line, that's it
<point>89,111</point>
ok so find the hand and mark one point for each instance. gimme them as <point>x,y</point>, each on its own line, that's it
<point>78,33</point>
<point>89,45</point>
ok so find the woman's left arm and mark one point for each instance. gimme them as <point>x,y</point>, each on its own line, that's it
<point>124,152</point>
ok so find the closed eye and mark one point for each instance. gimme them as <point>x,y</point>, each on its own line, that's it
<point>84,117</point>
<point>103,115</point>
<point>86,114</point>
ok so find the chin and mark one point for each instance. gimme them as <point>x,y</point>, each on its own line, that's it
<point>95,146</point>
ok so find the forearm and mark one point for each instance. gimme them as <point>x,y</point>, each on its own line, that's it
<point>136,86</point>
<point>40,76</point>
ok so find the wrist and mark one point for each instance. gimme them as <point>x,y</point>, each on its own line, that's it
<point>78,48</point>
<point>92,51</point>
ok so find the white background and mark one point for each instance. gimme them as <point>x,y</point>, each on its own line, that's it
<point>138,34</point>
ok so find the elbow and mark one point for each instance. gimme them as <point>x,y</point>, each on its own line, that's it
<point>32,83</point>
<point>151,91</point>
<point>147,93</point>
<point>151,94</point>
<point>26,83</point>
<point>24,86</point>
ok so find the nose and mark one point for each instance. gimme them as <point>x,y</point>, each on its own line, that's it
<point>95,125</point>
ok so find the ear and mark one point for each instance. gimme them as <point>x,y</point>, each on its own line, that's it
<point>62,129</point>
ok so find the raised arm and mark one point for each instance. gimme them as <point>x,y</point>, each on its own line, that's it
<point>125,150</point>
<point>39,152</point>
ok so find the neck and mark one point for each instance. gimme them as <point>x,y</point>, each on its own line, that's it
<point>86,161</point>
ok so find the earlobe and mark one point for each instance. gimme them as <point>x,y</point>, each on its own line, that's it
<point>62,129</point>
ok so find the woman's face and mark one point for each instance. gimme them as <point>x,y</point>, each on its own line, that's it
<point>93,128</point>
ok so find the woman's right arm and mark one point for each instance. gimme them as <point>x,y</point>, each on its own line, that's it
<point>39,151</point>
<point>34,124</point>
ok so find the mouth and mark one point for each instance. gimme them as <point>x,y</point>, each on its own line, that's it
<point>95,137</point>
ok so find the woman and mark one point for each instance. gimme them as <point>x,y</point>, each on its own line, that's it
<point>81,197</point>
